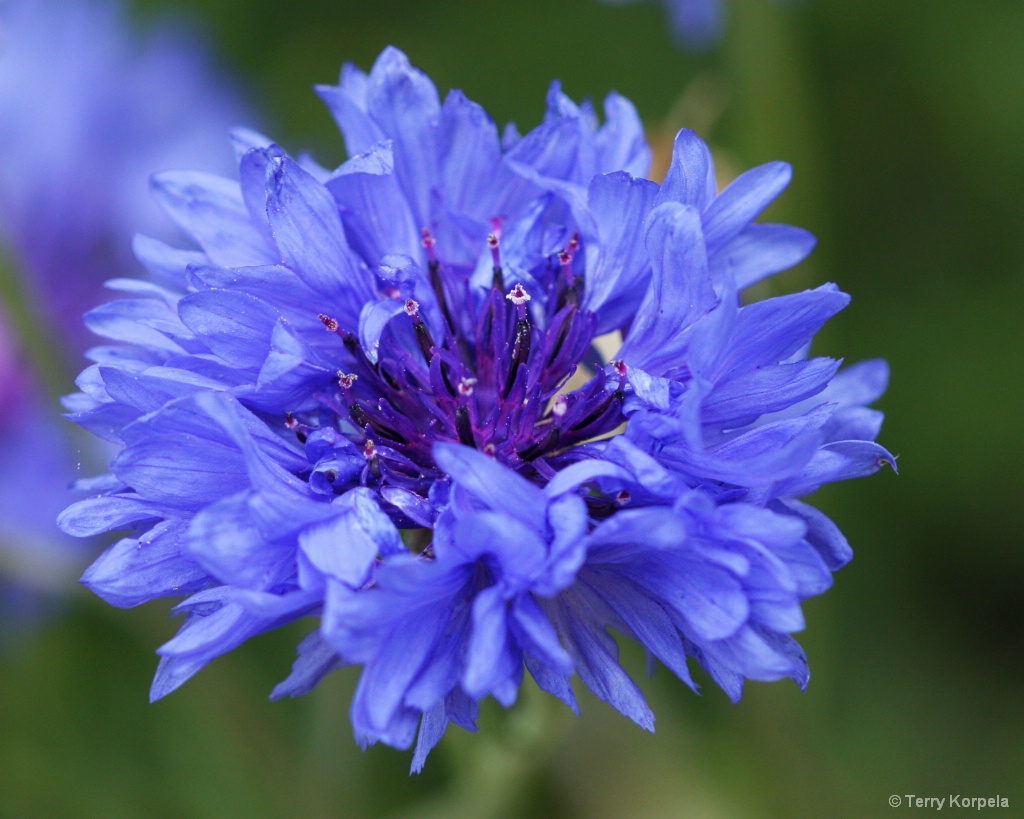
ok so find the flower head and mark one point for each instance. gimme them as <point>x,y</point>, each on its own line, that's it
<point>696,24</point>
<point>406,345</point>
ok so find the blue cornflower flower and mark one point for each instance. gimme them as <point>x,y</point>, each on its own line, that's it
<point>406,344</point>
<point>36,562</point>
<point>86,112</point>
<point>696,24</point>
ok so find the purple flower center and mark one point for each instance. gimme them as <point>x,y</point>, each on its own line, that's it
<point>490,373</point>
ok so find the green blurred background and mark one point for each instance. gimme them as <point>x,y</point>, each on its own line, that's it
<point>905,124</point>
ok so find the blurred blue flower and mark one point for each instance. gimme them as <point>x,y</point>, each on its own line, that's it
<point>372,395</point>
<point>87,112</point>
<point>37,562</point>
<point>696,24</point>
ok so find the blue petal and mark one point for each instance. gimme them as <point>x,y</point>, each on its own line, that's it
<point>432,728</point>
<point>145,322</point>
<point>697,24</point>
<point>488,643</point>
<point>770,331</point>
<point>164,263</point>
<point>839,461</point>
<point>766,390</point>
<point>495,485</point>
<point>347,102</point>
<point>596,656</point>
<point>760,251</point>
<point>316,660</point>
<point>378,220</point>
<point>680,290</point>
<point>859,384</point>
<point>742,202</point>
<point>537,635</point>
<point>210,209</point>
<point>94,516</point>
<point>135,571</point>
<point>310,238</point>
<point>823,535</point>
<point>648,620</point>
<point>235,326</point>
<point>345,546</point>
<point>227,540</point>
<point>404,103</point>
<point>691,176</point>
<point>620,142</point>
<point>619,204</point>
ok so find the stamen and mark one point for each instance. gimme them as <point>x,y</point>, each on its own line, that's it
<point>560,407</point>
<point>569,294</point>
<point>346,380</point>
<point>301,430</point>
<point>428,244</point>
<point>434,267</point>
<point>329,323</point>
<point>423,337</point>
<point>498,278</point>
<point>622,371</point>
<point>622,498</point>
<point>466,386</point>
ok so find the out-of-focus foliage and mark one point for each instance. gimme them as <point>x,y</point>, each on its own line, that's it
<point>905,126</point>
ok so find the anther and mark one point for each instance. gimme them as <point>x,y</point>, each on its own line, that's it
<point>329,323</point>
<point>466,386</point>
<point>346,380</point>
<point>622,498</point>
<point>622,371</point>
<point>518,296</point>
<point>560,407</point>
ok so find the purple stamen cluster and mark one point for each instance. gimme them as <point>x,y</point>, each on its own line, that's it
<point>493,377</point>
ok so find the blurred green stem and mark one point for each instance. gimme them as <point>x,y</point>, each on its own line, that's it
<point>492,770</point>
<point>44,356</point>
